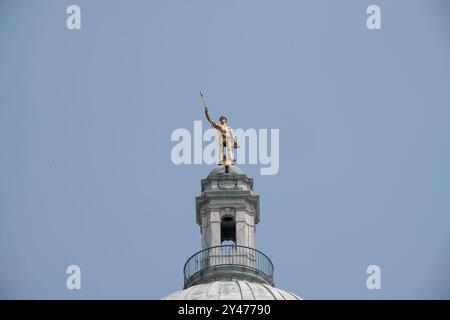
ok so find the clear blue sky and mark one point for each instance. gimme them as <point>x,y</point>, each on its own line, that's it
<point>86,117</point>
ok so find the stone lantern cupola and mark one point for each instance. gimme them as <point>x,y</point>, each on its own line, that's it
<point>227,210</point>
<point>228,266</point>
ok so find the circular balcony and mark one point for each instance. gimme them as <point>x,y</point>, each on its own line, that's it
<point>228,262</point>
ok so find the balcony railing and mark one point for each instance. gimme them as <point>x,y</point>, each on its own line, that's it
<point>226,259</point>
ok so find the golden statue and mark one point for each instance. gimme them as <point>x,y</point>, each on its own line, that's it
<point>226,140</point>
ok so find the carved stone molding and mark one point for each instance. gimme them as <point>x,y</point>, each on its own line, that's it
<point>227,184</point>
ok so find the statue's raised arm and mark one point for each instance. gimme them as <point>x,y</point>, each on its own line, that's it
<point>213,123</point>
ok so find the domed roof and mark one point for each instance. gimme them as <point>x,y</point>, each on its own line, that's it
<point>233,169</point>
<point>232,290</point>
